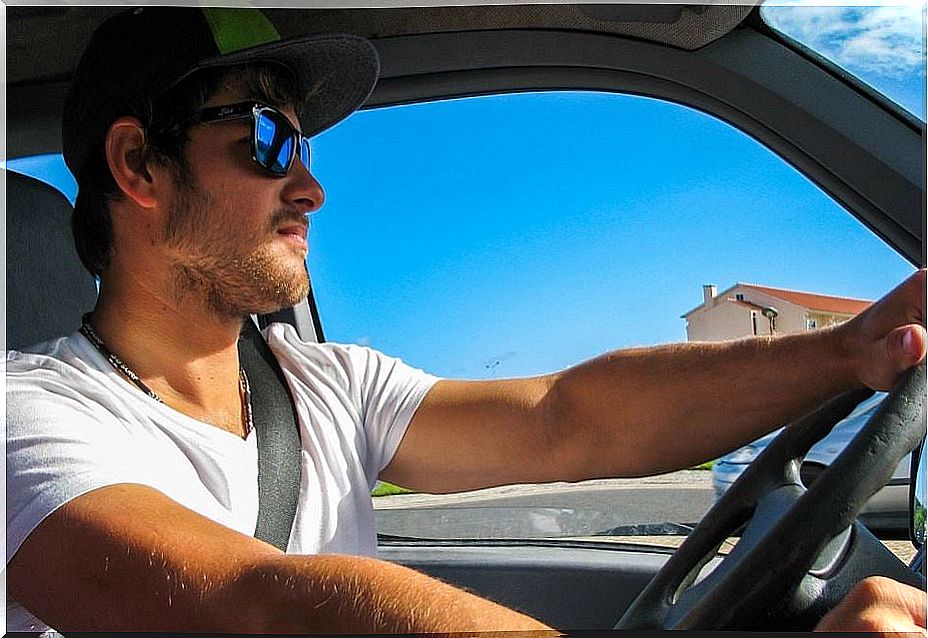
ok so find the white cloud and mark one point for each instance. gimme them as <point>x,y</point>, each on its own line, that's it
<point>885,39</point>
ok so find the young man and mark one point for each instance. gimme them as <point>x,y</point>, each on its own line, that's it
<point>131,457</point>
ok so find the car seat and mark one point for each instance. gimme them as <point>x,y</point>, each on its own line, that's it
<point>47,287</point>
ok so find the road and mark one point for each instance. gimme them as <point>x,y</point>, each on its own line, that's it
<point>561,509</point>
<point>542,510</point>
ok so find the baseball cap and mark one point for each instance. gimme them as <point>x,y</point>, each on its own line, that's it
<point>136,56</point>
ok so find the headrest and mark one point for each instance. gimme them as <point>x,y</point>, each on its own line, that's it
<point>47,288</point>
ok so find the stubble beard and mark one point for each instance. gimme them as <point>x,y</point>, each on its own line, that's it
<point>233,275</point>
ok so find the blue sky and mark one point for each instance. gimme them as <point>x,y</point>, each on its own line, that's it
<point>883,45</point>
<point>518,234</point>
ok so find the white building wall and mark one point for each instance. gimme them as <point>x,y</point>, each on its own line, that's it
<point>721,322</point>
<point>724,320</point>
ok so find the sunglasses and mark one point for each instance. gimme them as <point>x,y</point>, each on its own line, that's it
<point>274,141</point>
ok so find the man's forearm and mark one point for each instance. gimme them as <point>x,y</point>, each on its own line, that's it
<point>135,560</point>
<point>337,594</point>
<point>651,410</point>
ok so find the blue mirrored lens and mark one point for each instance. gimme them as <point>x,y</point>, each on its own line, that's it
<point>283,156</point>
<point>273,142</point>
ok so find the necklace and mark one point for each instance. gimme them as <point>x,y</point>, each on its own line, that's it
<point>117,363</point>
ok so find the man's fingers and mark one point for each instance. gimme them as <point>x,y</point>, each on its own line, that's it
<point>889,337</point>
<point>878,605</point>
<point>913,600</point>
<point>914,293</point>
<point>891,597</point>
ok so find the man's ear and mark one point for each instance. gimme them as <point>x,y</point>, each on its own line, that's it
<point>127,158</point>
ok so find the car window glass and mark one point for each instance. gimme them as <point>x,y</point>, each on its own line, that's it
<point>518,234</point>
<point>884,46</point>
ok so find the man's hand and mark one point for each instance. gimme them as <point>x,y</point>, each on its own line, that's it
<point>889,337</point>
<point>879,605</point>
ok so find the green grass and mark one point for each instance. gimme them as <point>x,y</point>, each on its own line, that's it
<point>389,489</point>
<point>919,521</point>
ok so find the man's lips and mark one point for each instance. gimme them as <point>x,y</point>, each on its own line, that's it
<point>297,230</point>
<point>294,232</point>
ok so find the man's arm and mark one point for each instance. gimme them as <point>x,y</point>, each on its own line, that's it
<point>650,410</point>
<point>126,557</point>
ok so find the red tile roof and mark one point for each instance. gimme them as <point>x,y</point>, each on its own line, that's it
<point>814,301</point>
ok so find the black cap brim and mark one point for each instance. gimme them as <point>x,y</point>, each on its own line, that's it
<point>335,73</point>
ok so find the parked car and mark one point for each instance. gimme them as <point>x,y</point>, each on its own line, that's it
<point>558,145</point>
<point>887,511</point>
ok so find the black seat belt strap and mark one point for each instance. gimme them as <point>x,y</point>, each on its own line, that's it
<point>277,429</point>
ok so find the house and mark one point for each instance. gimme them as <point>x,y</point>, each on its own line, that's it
<point>748,309</point>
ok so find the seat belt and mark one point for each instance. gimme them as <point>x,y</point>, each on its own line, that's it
<point>276,426</point>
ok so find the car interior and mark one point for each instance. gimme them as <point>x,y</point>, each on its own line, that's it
<point>720,59</point>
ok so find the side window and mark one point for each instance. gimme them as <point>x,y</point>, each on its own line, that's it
<point>519,234</point>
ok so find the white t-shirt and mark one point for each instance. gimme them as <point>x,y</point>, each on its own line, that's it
<point>74,425</point>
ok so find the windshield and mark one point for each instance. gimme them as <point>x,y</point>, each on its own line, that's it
<point>881,44</point>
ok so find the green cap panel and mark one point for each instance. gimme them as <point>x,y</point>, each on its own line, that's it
<point>236,29</point>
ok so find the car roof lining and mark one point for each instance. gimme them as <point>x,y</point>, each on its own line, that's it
<point>682,26</point>
<point>60,32</point>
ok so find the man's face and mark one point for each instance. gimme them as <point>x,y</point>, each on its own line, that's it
<point>236,235</point>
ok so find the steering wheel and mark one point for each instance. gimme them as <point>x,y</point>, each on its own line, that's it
<point>802,549</point>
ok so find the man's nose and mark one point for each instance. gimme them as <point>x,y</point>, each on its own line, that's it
<point>303,190</point>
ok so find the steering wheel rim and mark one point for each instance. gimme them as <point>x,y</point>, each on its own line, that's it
<point>792,532</point>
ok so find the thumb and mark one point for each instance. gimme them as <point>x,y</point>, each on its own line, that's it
<point>905,346</point>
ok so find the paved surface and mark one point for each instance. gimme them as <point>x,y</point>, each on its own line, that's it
<point>562,509</point>
<point>686,479</point>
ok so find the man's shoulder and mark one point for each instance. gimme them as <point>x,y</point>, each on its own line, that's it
<point>286,342</point>
<point>341,364</point>
<point>64,350</point>
<point>60,367</point>
<point>310,359</point>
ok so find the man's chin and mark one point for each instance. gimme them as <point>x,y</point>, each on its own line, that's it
<point>260,284</point>
<point>274,307</point>
<point>283,295</point>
